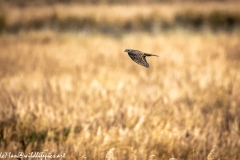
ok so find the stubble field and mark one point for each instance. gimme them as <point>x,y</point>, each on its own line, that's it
<point>78,93</point>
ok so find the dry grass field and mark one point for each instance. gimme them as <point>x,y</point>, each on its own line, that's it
<point>78,93</point>
<point>121,18</point>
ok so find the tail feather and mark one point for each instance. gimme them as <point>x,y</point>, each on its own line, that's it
<point>147,54</point>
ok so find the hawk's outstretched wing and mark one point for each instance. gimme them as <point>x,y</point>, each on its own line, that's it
<point>139,58</point>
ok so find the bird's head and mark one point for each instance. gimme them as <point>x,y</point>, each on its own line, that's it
<point>127,50</point>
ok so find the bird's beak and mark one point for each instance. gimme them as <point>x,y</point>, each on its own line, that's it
<point>125,50</point>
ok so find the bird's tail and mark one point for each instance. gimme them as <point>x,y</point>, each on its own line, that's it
<point>147,54</point>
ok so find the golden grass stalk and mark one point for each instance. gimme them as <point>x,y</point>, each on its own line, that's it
<point>110,155</point>
<point>211,154</point>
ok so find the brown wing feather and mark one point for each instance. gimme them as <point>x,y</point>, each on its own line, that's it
<point>139,59</point>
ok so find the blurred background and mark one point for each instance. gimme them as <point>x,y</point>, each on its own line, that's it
<point>67,86</point>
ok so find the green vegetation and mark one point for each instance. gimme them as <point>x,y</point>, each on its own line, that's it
<point>111,19</point>
<point>2,22</point>
<point>216,20</point>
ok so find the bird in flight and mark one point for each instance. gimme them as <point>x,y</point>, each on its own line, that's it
<point>139,56</point>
